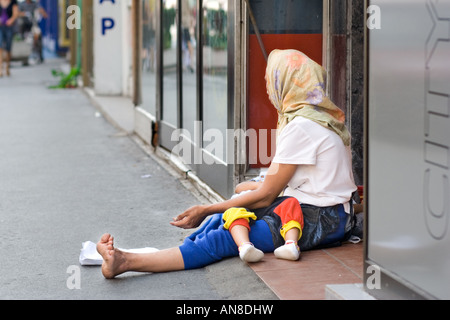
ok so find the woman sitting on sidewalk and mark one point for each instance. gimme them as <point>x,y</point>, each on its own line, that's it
<point>312,164</point>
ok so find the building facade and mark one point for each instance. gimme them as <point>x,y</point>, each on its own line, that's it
<point>194,71</point>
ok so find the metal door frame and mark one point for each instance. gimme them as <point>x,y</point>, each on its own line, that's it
<point>219,175</point>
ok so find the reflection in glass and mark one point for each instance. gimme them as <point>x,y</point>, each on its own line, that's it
<point>169,44</point>
<point>188,54</point>
<point>214,35</point>
<point>148,56</point>
<point>338,61</point>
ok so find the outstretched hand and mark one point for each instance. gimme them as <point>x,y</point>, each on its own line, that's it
<point>191,218</point>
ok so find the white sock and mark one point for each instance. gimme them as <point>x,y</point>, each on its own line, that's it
<point>248,253</point>
<point>288,251</point>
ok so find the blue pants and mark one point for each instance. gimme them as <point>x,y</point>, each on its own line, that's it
<point>212,243</point>
<point>6,37</point>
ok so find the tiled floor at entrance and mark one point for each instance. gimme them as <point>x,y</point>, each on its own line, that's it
<point>307,278</point>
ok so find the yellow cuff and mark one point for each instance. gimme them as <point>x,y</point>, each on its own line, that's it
<point>288,226</point>
<point>233,214</point>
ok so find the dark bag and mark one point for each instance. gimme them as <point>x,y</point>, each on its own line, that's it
<point>325,226</point>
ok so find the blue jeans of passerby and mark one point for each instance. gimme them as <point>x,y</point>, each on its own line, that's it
<point>6,37</point>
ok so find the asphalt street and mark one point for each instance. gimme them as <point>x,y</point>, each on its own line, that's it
<point>68,176</point>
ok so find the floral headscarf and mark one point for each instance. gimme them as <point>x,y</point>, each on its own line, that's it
<point>296,87</point>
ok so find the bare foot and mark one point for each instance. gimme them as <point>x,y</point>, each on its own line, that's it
<point>114,261</point>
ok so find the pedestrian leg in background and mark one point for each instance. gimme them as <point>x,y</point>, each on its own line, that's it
<point>6,39</point>
<point>8,61</point>
<point>1,62</point>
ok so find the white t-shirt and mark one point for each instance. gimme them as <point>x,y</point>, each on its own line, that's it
<point>324,176</point>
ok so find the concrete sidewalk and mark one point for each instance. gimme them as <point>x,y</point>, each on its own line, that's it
<point>67,176</point>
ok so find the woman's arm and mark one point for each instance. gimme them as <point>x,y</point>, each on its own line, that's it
<point>247,185</point>
<point>15,15</point>
<point>276,180</point>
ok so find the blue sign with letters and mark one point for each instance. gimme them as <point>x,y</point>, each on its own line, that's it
<point>107,22</point>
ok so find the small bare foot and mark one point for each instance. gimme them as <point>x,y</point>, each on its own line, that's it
<point>113,259</point>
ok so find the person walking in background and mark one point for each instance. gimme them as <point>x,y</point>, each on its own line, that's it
<point>9,11</point>
<point>30,9</point>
